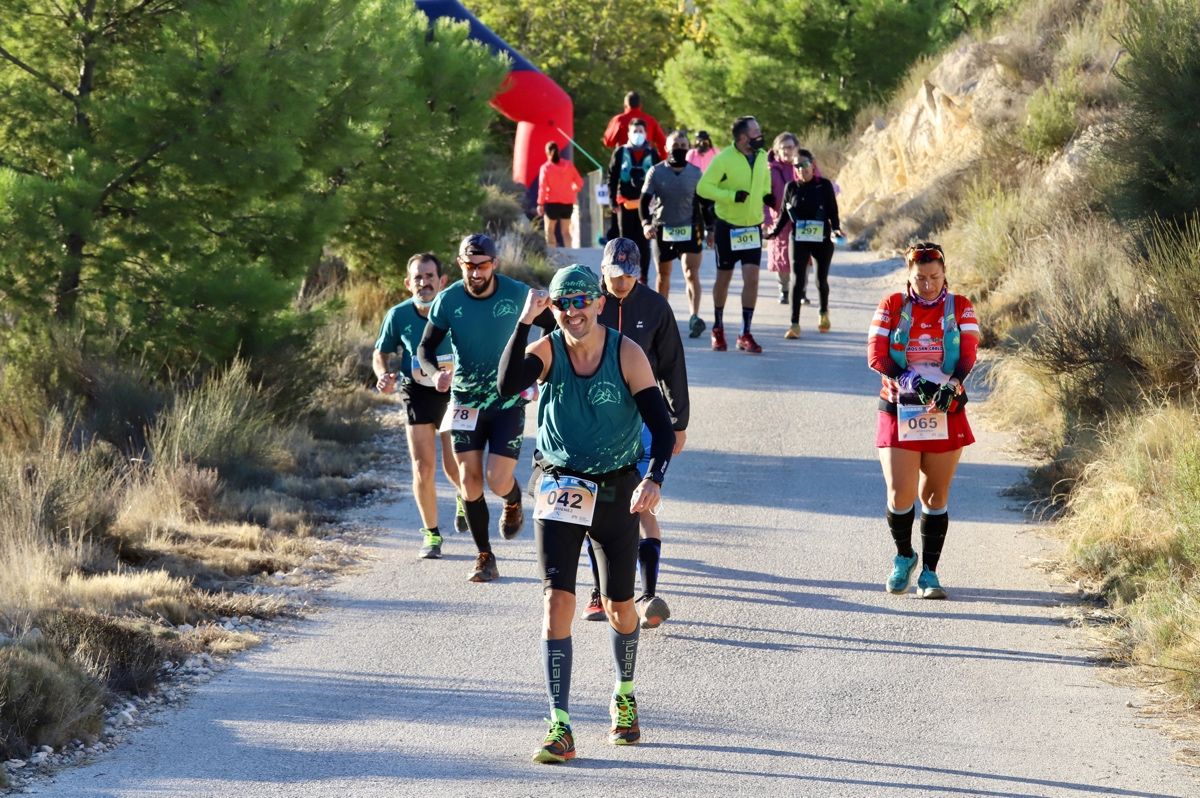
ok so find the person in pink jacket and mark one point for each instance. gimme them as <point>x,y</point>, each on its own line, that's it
<point>558,185</point>
<point>783,152</point>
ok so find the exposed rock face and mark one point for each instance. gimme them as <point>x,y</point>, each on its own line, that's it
<point>938,132</point>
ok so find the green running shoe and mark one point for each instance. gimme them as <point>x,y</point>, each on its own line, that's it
<point>460,515</point>
<point>624,714</point>
<point>928,586</point>
<point>559,745</point>
<point>431,549</point>
<point>902,570</point>
<point>695,326</point>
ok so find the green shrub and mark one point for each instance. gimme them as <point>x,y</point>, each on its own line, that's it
<point>1156,173</point>
<point>45,699</point>
<point>1051,117</point>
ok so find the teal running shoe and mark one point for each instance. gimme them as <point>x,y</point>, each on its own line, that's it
<point>431,549</point>
<point>928,586</point>
<point>902,571</point>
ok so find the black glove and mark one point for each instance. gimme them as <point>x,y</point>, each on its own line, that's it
<point>741,196</point>
<point>769,199</point>
<point>944,397</point>
<point>926,390</point>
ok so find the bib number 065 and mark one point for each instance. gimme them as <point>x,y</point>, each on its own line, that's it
<point>918,424</point>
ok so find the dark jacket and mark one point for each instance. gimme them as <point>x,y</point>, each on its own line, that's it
<point>647,318</point>
<point>812,200</point>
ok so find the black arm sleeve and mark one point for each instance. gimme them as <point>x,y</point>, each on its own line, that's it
<point>518,369</point>
<point>644,208</point>
<point>546,321</point>
<point>831,202</point>
<point>784,214</point>
<point>709,209</point>
<point>426,352</point>
<point>662,438</point>
<point>672,370</point>
<point>614,177</point>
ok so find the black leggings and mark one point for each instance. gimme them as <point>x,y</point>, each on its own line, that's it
<point>629,222</point>
<point>614,534</point>
<point>822,253</point>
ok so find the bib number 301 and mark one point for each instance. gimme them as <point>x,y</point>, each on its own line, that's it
<point>918,424</point>
<point>571,500</point>
<point>744,238</point>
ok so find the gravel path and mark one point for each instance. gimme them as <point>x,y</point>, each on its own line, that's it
<point>786,670</point>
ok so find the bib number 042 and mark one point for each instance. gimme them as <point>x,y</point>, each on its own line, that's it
<point>571,500</point>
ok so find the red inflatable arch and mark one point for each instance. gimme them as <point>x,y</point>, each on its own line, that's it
<point>542,110</point>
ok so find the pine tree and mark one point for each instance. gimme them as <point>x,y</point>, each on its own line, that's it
<point>168,170</point>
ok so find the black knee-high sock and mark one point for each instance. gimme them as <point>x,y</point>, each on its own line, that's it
<point>477,522</point>
<point>747,318</point>
<point>624,658</point>
<point>595,568</point>
<point>649,551</point>
<point>901,525</point>
<point>514,495</point>
<point>933,535</point>
<point>718,317</point>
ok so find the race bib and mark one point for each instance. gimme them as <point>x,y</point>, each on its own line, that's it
<point>918,424</point>
<point>571,500</point>
<point>744,238</point>
<point>808,230</point>
<point>682,232</point>
<point>459,419</point>
<point>445,363</point>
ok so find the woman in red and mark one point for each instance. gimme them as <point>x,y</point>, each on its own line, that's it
<point>923,342</point>
<point>558,184</point>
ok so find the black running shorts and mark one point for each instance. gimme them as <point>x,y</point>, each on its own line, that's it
<point>501,432</point>
<point>665,251</point>
<point>614,533</point>
<point>727,256</point>
<point>422,404</point>
<point>558,211</point>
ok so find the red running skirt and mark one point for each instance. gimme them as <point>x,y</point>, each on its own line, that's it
<point>887,434</point>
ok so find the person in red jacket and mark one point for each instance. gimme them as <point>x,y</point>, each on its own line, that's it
<point>617,132</point>
<point>558,185</point>
<point>923,342</point>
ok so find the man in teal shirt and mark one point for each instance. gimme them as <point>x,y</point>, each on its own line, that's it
<point>424,405</point>
<point>479,314</point>
<point>738,181</point>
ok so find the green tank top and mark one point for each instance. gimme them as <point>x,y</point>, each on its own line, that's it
<point>588,424</point>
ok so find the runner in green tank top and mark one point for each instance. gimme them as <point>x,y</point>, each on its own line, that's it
<point>478,313</point>
<point>597,391</point>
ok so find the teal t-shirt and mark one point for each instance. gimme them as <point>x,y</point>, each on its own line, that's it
<point>588,424</point>
<point>401,333</point>
<point>479,330</point>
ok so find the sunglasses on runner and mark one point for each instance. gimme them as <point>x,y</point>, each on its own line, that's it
<point>925,253</point>
<point>477,265</point>
<point>803,164</point>
<point>563,303</point>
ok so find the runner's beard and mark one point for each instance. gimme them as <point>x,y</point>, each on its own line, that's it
<point>483,285</point>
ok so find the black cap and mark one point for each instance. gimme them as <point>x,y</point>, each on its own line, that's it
<point>477,244</point>
<point>702,134</point>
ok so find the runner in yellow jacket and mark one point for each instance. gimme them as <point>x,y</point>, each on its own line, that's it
<point>739,182</point>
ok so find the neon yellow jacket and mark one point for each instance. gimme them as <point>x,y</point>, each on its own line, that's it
<point>730,173</point>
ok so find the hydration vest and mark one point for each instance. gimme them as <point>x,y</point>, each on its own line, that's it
<point>628,169</point>
<point>951,336</point>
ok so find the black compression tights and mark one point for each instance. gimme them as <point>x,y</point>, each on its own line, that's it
<point>822,253</point>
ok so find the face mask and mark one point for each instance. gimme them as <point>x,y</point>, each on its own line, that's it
<point>637,139</point>
<point>554,158</point>
<point>678,157</point>
<point>757,144</point>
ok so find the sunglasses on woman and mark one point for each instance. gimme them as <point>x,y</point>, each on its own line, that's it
<point>925,253</point>
<point>563,303</point>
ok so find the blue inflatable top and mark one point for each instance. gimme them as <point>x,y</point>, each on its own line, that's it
<point>436,9</point>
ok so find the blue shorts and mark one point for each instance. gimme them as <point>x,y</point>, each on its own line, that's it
<point>643,465</point>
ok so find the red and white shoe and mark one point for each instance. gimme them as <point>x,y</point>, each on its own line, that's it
<point>718,339</point>
<point>746,343</point>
